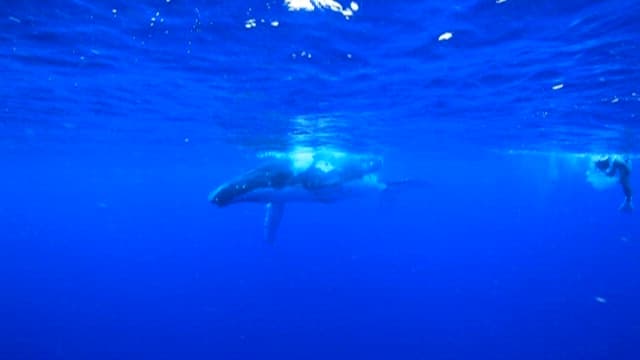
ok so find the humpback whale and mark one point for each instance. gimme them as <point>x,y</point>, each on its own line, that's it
<point>301,176</point>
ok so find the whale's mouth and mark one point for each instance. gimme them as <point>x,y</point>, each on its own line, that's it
<point>228,193</point>
<point>270,176</point>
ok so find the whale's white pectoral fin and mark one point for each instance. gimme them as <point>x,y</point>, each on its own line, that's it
<point>272,219</point>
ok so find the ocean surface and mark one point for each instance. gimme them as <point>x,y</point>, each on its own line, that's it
<point>118,118</point>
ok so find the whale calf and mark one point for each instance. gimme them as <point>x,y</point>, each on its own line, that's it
<point>317,176</point>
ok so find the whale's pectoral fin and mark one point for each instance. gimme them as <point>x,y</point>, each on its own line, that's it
<point>272,219</point>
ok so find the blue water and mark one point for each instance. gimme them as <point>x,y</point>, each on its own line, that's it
<point>118,118</point>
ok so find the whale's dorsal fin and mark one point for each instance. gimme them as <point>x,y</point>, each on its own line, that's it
<point>272,218</point>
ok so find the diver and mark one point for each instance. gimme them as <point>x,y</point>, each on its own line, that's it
<point>612,165</point>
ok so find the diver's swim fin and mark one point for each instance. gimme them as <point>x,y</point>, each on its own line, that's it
<point>626,207</point>
<point>272,218</point>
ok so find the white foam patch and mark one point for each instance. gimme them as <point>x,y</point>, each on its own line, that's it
<point>310,5</point>
<point>598,179</point>
<point>324,166</point>
<point>301,159</point>
<point>294,5</point>
<point>445,36</point>
<point>601,300</point>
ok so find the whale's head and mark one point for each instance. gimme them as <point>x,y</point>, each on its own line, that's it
<point>226,194</point>
<point>252,185</point>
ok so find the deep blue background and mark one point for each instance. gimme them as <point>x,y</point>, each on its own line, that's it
<point>112,133</point>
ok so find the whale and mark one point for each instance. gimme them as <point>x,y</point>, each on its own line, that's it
<point>311,176</point>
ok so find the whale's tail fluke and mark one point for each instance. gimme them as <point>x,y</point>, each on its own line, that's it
<point>272,218</point>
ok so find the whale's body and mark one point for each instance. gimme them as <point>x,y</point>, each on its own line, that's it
<point>300,193</point>
<point>313,176</point>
